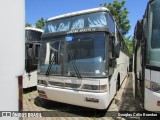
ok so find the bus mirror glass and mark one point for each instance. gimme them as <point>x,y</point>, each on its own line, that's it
<point>36,48</point>
<point>112,47</point>
<point>145,27</point>
<point>116,49</point>
<point>138,30</point>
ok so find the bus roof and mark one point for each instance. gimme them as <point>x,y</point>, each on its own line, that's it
<point>100,9</point>
<point>34,29</point>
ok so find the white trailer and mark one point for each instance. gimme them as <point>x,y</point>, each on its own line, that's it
<point>12,54</point>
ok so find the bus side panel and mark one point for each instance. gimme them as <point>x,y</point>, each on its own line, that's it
<point>12,55</point>
<point>152,98</point>
<point>150,101</point>
<point>112,85</point>
<point>122,65</point>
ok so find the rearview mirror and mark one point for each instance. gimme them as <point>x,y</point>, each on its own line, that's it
<point>138,30</point>
<point>145,27</point>
<point>116,49</point>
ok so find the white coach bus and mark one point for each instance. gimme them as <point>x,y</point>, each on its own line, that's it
<point>32,45</point>
<point>146,59</point>
<point>83,59</point>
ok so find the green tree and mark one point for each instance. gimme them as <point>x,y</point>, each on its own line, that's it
<point>120,14</point>
<point>28,25</point>
<point>40,23</point>
<point>129,43</point>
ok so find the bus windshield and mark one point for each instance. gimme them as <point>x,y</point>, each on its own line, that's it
<point>76,22</point>
<point>154,36</point>
<point>32,36</point>
<point>84,51</point>
<point>32,43</point>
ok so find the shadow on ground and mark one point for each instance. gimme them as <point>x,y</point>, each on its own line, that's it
<point>29,90</point>
<point>57,109</point>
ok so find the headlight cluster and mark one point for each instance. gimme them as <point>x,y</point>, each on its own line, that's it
<point>152,86</point>
<point>42,82</point>
<point>98,88</point>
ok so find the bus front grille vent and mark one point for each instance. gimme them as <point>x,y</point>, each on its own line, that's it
<point>64,85</point>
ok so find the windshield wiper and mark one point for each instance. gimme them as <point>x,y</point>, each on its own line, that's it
<point>50,66</point>
<point>74,63</point>
<point>52,61</point>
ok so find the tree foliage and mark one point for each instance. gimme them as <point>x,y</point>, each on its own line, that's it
<point>129,43</point>
<point>28,25</point>
<point>40,23</point>
<point>120,14</point>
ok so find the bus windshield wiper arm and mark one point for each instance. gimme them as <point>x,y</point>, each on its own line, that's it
<point>52,61</point>
<point>50,66</point>
<point>74,64</point>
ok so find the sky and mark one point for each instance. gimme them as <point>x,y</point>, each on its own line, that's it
<point>36,9</point>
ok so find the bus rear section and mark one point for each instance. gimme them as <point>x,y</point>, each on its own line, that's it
<point>147,56</point>
<point>78,63</point>
<point>32,46</point>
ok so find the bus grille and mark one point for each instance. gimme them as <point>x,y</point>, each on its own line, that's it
<point>64,85</point>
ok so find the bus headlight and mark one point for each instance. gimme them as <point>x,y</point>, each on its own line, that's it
<point>103,88</point>
<point>100,88</point>
<point>152,86</point>
<point>42,82</point>
<point>155,87</point>
<point>90,87</point>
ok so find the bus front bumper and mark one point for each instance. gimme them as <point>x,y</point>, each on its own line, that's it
<point>75,97</point>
